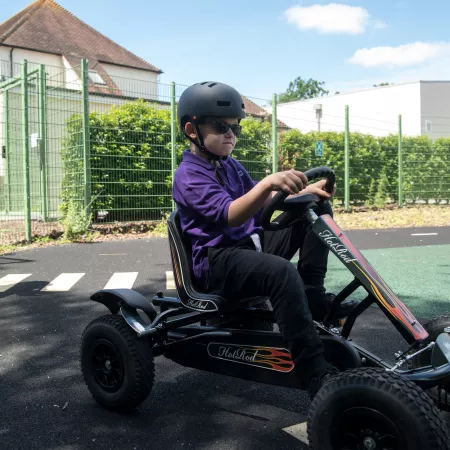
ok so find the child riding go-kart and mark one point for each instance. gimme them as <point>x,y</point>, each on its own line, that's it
<point>369,405</point>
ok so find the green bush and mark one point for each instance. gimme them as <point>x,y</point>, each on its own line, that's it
<point>253,148</point>
<point>130,147</point>
<point>373,168</point>
<point>130,158</point>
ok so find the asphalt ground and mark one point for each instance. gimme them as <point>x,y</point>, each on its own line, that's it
<point>45,404</point>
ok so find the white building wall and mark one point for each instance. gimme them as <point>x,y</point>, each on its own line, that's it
<point>373,111</point>
<point>435,99</point>
<point>72,80</point>
<point>54,65</point>
<point>134,82</point>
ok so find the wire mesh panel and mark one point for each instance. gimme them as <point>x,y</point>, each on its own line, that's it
<point>426,176</point>
<point>63,145</point>
<point>254,146</point>
<point>12,216</point>
<point>313,139</point>
<point>77,140</point>
<point>130,147</point>
<point>373,171</point>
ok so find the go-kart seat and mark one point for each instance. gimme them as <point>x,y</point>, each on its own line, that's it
<point>190,296</point>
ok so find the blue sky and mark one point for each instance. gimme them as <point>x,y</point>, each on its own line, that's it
<point>259,46</point>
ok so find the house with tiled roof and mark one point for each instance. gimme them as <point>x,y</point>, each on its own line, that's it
<point>46,33</point>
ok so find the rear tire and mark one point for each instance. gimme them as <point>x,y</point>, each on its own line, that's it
<point>372,408</point>
<point>434,327</point>
<point>117,366</point>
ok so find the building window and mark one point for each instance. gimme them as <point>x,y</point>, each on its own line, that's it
<point>95,77</point>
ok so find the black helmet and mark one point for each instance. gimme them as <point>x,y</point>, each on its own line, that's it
<point>209,99</point>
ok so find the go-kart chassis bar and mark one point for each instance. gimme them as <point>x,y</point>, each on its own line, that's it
<point>176,331</point>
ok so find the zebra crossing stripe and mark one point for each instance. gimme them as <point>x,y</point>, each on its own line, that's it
<point>10,280</point>
<point>122,280</point>
<point>63,282</point>
<point>170,281</point>
<point>299,431</point>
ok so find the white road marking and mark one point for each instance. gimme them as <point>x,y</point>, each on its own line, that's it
<point>170,281</point>
<point>63,282</point>
<point>121,280</point>
<point>10,280</point>
<point>298,431</point>
<point>424,234</point>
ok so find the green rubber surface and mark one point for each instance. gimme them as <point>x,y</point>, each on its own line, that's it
<point>419,276</point>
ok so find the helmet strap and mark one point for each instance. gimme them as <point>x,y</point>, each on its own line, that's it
<point>200,144</point>
<point>212,158</point>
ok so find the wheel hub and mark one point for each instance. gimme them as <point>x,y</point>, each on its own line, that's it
<point>107,366</point>
<point>369,443</point>
<point>363,428</point>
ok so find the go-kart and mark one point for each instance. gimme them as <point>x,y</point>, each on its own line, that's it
<point>370,405</point>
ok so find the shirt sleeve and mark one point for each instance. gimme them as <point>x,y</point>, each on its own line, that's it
<point>204,195</point>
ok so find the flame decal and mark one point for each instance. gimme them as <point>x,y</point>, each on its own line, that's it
<point>380,290</point>
<point>176,267</point>
<point>271,358</point>
<point>279,360</point>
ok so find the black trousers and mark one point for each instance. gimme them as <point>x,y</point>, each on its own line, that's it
<point>240,271</point>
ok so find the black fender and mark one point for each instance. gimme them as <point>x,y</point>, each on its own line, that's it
<point>113,299</point>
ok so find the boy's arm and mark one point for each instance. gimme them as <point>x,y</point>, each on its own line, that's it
<point>245,207</point>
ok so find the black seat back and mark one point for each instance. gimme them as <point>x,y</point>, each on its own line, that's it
<point>180,252</point>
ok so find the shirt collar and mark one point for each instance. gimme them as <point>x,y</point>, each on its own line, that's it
<point>191,158</point>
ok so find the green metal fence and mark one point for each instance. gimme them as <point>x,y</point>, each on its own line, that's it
<point>107,152</point>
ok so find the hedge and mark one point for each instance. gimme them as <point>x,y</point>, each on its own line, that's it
<point>130,149</point>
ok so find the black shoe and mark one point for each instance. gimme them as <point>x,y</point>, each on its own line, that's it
<point>318,382</point>
<point>320,303</point>
<point>345,308</point>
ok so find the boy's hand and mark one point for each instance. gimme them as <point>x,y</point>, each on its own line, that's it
<point>318,189</point>
<point>291,181</point>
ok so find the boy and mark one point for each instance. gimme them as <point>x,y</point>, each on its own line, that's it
<point>220,206</point>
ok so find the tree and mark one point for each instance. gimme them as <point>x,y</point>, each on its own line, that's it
<point>381,84</point>
<point>300,89</point>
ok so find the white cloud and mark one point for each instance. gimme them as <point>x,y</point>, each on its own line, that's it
<point>402,56</point>
<point>333,18</point>
<point>379,24</point>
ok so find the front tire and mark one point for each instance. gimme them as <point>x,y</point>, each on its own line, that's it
<point>117,366</point>
<point>434,327</point>
<point>374,409</point>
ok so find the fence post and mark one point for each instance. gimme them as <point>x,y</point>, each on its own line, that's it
<point>86,137</point>
<point>7,160</point>
<point>173,132</point>
<point>274,134</point>
<point>43,139</point>
<point>400,163</point>
<point>26,151</point>
<point>347,159</point>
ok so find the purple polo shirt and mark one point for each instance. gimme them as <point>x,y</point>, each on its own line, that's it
<point>203,204</point>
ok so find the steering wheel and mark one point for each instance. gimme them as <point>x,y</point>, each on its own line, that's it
<point>294,205</point>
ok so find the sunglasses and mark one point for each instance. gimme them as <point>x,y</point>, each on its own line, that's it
<point>223,127</point>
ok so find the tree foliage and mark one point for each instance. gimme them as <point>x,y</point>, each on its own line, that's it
<point>300,89</point>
